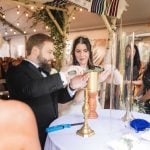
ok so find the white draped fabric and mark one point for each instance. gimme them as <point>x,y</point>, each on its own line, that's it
<point>108,127</point>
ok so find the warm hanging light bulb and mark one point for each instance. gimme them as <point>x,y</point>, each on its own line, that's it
<point>6,33</point>
<point>24,32</point>
<point>81,9</point>
<point>18,6</point>
<point>73,18</point>
<point>14,33</point>
<point>18,12</point>
<point>34,30</point>
<point>11,29</point>
<point>27,14</point>
<point>4,16</point>
<point>18,24</point>
<point>32,7</point>
<point>46,27</point>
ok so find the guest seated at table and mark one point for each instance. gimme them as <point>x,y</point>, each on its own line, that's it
<point>146,93</point>
<point>138,69</point>
<point>18,129</point>
<point>82,56</point>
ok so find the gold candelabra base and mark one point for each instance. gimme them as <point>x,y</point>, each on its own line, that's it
<point>85,131</point>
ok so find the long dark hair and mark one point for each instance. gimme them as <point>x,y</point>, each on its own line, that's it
<point>83,40</point>
<point>136,59</point>
<point>146,77</point>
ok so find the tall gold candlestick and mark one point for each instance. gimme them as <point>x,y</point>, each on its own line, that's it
<point>92,94</point>
<point>85,130</point>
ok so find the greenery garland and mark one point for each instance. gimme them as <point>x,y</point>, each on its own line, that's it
<point>59,41</point>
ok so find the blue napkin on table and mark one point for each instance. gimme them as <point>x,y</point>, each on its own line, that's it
<point>139,124</point>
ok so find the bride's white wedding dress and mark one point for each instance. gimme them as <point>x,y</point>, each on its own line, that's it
<point>76,105</point>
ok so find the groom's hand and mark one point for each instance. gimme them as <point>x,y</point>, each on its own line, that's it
<point>79,82</point>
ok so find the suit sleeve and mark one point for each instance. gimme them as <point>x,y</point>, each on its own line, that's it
<point>63,96</point>
<point>22,83</point>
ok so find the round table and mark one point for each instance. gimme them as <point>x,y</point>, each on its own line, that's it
<point>108,126</point>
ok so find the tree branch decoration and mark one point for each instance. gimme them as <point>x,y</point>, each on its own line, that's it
<point>54,19</point>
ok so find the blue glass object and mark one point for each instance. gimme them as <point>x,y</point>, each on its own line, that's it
<point>61,126</point>
<point>58,127</point>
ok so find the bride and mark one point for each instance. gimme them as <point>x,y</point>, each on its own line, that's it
<point>82,56</point>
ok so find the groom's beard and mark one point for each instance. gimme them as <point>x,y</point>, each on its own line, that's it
<point>43,63</point>
<point>46,67</point>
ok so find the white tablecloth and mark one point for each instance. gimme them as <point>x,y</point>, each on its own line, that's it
<point>108,126</point>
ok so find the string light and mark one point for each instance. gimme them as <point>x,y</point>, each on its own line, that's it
<point>81,9</point>
<point>18,23</point>
<point>73,18</point>
<point>4,16</point>
<point>27,14</point>
<point>18,12</point>
<point>46,27</point>
<point>6,33</point>
<point>42,7</point>
<point>32,7</point>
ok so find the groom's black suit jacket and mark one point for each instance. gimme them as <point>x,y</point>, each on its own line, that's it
<point>42,94</point>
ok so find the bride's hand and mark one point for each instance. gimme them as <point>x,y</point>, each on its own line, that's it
<point>104,75</point>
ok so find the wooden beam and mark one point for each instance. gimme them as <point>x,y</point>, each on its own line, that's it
<point>11,25</point>
<point>56,8</point>
<point>55,22</point>
<point>26,3</point>
<point>107,23</point>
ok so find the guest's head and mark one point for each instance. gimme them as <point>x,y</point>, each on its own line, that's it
<point>13,117</point>
<point>40,49</point>
<point>82,53</point>
<point>136,55</point>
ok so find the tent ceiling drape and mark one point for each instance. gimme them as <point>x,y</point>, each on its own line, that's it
<point>138,12</point>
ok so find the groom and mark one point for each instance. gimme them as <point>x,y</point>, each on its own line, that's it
<point>41,91</point>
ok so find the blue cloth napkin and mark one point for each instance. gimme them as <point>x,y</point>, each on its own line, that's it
<point>139,124</point>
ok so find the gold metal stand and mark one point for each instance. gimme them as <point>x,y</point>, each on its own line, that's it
<point>85,130</point>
